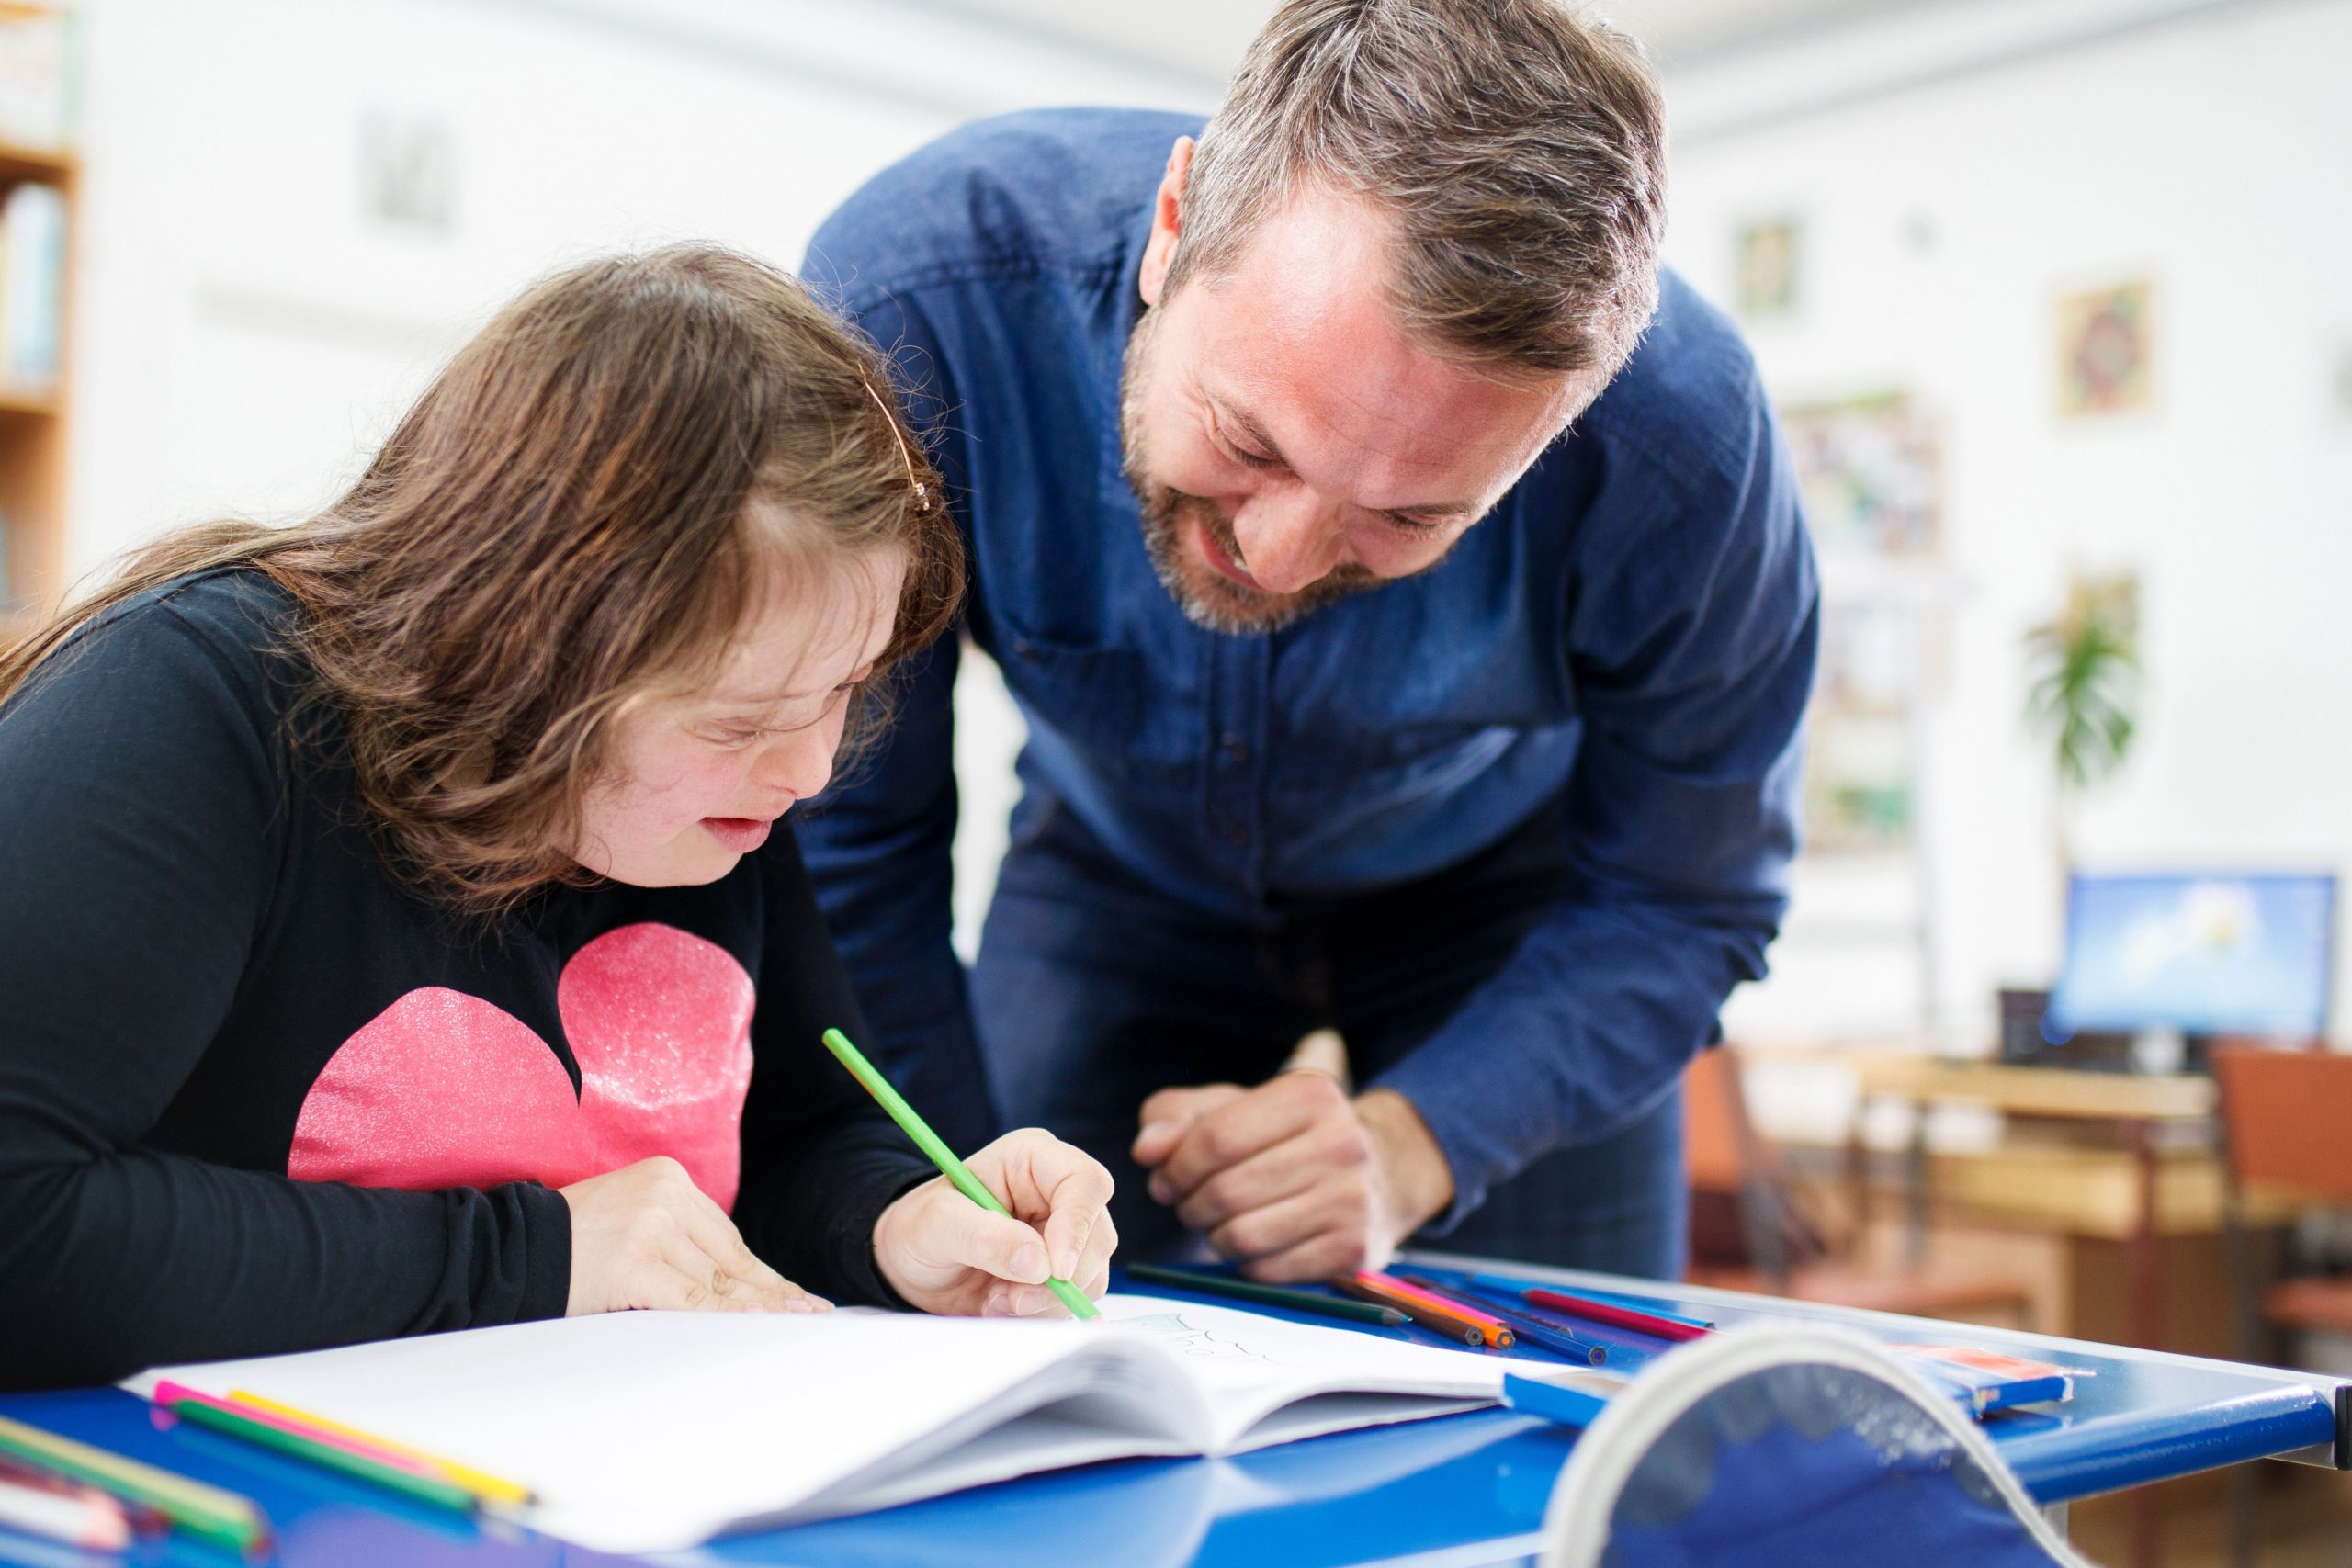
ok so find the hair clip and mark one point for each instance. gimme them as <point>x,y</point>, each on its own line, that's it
<point>922,491</point>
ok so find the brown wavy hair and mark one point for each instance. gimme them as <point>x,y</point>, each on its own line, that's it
<point>576,513</point>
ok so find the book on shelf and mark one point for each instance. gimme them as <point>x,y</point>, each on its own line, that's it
<point>36,76</point>
<point>32,289</point>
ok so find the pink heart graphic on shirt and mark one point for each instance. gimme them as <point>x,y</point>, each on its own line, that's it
<point>446,1089</point>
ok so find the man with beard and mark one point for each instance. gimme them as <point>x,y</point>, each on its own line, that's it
<point>1403,651</point>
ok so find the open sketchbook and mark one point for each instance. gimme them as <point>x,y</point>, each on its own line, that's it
<point>647,1431</point>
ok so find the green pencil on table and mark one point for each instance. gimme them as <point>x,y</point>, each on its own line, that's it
<point>1267,1295</point>
<point>943,1156</point>
<point>220,1416</point>
<point>206,1513</point>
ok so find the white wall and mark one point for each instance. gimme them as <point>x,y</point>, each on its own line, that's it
<point>246,331</point>
<point>2209,154</point>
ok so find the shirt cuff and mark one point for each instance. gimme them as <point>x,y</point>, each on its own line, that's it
<point>1460,1113</point>
<point>547,1252</point>
<point>849,1236</point>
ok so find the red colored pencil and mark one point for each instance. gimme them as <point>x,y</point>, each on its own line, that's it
<point>1615,1317</point>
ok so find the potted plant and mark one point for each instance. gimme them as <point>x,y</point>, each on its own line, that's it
<point>2084,684</point>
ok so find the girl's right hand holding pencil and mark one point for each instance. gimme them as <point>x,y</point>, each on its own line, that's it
<point>645,1237</point>
<point>945,1254</point>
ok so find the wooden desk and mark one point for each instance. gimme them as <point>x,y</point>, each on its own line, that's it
<point>2036,1091</point>
<point>2136,1104</point>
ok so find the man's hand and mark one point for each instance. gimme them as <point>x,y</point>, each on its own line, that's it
<point>1293,1178</point>
<point>946,1253</point>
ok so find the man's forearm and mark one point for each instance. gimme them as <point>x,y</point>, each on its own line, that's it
<point>1413,1168</point>
<point>1596,1015</point>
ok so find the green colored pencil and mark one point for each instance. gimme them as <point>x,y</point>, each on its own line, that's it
<point>941,1155</point>
<point>208,1513</point>
<point>1268,1295</point>
<point>418,1488</point>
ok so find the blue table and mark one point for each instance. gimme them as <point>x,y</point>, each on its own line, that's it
<point>1460,1490</point>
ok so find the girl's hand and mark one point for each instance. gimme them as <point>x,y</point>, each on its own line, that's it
<point>946,1253</point>
<point>645,1235</point>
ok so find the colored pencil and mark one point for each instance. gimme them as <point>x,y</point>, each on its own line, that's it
<point>79,1516</point>
<point>1555,1337</point>
<point>141,1520</point>
<point>1616,1316</point>
<point>1514,1288</point>
<point>494,1488</point>
<point>1267,1295</point>
<point>169,1394</point>
<point>943,1156</point>
<point>208,1513</point>
<point>1492,1330</point>
<point>1445,1324</point>
<point>223,1417</point>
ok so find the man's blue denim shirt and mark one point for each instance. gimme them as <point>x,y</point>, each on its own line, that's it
<point>1633,626</point>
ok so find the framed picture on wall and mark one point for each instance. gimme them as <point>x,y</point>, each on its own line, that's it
<point>1767,257</point>
<point>1869,470</point>
<point>2106,346</point>
<point>1861,756</point>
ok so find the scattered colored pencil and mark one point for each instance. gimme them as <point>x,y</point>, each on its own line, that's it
<point>1266,1295</point>
<point>1616,1316</point>
<point>208,1513</point>
<point>1529,1329</point>
<point>943,1156</point>
<point>1438,1321</point>
<point>169,1394</point>
<point>81,1517</point>
<point>1510,1287</point>
<point>142,1520</point>
<point>1560,1323</point>
<point>220,1416</point>
<point>1492,1330</point>
<point>480,1481</point>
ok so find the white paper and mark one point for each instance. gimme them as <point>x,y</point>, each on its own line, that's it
<point>649,1431</point>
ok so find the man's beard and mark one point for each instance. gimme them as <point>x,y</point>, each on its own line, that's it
<point>1208,598</point>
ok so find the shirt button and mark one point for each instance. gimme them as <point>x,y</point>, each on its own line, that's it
<point>1237,835</point>
<point>1235,748</point>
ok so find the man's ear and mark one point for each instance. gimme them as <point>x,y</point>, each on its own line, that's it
<point>1167,222</point>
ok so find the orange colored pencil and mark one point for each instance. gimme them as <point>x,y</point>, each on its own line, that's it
<point>1366,1285</point>
<point>1492,1329</point>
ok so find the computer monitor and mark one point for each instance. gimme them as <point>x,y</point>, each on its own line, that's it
<point>2204,954</point>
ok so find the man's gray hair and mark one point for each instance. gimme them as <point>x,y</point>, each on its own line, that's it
<point>1518,148</point>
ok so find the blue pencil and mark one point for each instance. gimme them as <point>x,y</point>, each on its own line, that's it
<point>1552,1337</point>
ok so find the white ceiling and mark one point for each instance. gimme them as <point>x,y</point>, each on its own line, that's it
<point>1207,37</point>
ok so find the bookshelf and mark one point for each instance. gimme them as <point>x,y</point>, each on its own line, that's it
<point>33,429</point>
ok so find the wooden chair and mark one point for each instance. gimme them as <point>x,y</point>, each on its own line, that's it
<point>2283,1119</point>
<point>1750,1230</point>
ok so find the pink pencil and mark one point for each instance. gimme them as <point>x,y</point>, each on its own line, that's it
<point>169,1393</point>
<point>1495,1331</point>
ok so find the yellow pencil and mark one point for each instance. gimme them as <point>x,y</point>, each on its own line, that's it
<point>495,1488</point>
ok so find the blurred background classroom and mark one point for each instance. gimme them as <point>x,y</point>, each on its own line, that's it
<point>2052,296</point>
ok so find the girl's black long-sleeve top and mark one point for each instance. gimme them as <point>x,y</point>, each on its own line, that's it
<point>258,1094</point>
